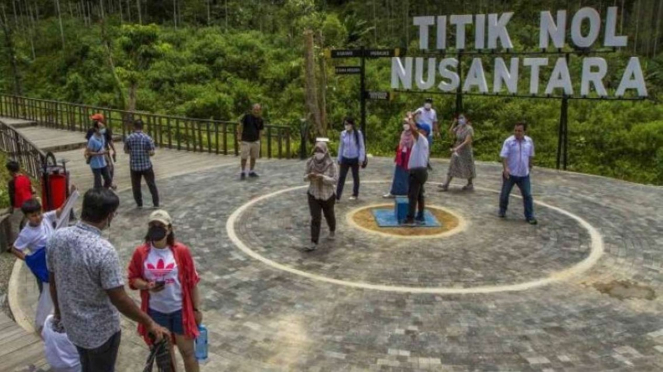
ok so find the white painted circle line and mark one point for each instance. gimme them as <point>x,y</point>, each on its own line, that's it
<point>596,252</point>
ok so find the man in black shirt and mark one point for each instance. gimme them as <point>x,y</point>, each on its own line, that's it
<point>249,130</point>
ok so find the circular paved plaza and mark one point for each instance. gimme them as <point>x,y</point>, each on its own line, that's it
<point>573,293</point>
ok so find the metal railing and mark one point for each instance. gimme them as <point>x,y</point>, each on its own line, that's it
<point>175,132</point>
<point>22,150</point>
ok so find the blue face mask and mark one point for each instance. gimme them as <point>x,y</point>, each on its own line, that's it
<point>102,131</point>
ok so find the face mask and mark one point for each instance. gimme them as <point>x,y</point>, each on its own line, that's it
<point>462,120</point>
<point>102,131</point>
<point>348,127</point>
<point>427,106</point>
<point>406,126</point>
<point>319,156</point>
<point>156,233</point>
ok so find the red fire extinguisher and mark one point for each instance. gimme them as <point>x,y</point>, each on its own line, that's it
<point>55,183</point>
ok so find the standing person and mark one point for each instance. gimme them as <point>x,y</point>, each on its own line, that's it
<point>249,130</point>
<point>322,174</point>
<point>517,160</point>
<point>418,165</point>
<point>140,148</point>
<point>96,153</point>
<point>427,115</point>
<point>165,273</point>
<point>399,185</point>
<point>110,147</point>
<point>20,190</point>
<point>461,164</point>
<point>87,285</point>
<point>351,153</point>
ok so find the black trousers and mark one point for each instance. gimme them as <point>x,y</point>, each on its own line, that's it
<point>347,164</point>
<point>99,174</point>
<point>149,179</point>
<point>317,208</point>
<point>418,177</point>
<point>103,358</point>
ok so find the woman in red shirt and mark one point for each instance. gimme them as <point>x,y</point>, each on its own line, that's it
<point>164,272</point>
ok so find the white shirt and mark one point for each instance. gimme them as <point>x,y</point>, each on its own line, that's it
<point>419,155</point>
<point>426,116</point>
<point>34,237</point>
<point>61,354</point>
<point>160,266</point>
<point>517,154</point>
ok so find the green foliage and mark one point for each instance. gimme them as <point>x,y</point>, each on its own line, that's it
<point>4,178</point>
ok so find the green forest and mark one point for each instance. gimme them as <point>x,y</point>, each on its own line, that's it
<point>213,58</point>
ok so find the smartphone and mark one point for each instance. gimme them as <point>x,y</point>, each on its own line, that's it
<point>159,284</point>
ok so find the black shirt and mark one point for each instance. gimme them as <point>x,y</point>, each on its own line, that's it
<point>251,127</point>
<point>108,136</point>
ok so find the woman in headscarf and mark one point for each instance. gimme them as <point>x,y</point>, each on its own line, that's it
<point>461,164</point>
<point>399,185</point>
<point>322,174</point>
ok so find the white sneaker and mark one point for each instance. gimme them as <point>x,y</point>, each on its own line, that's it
<point>332,235</point>
<point>353,198</point>
<point>311,247</point>
<point>388,196</point>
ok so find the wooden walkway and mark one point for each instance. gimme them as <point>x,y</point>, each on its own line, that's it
<point>22,351</point>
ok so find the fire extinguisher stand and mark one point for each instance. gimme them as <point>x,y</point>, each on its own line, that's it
<point>55,183</point>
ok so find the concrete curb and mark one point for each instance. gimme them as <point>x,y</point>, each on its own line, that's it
<point>12,293</point>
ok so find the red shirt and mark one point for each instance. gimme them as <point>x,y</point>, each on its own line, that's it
<point>22,190</point>
<point>188,278</point>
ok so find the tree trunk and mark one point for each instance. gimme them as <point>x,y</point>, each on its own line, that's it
<point>226,15</point>
<point>32,33</point>
<point>11,51</point>
<point>313,112</point>
<point>322,64</point>
<point>209,13</point>
<point>140,14</point>
<point>658,27</point>
<point>57,5</point>
<point>175,13</point>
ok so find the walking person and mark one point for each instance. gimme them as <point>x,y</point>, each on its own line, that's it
<point>461,164</point>
<point>96,153</point>
<point>140,148</point>
<point>517,160</point>
<point>249,131</point>
<point>165,273</point>
<point>399,185</point>
<point>427,115</point>
<point>87,285</point>
<point>111,153</point>
<point>418,166</point>
<point>351,154</point>
<point>322,175</point>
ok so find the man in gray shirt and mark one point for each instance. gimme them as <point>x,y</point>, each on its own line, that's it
<point>87,285</point>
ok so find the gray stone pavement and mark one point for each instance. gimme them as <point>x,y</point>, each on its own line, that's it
<point>263,317</point>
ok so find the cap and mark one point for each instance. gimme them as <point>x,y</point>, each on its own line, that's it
<point>161,216</point>
<point>98,117</point>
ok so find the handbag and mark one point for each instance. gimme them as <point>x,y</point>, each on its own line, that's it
<point>160,353</point>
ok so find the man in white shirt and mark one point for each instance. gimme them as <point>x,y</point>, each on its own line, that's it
<point>517,155</point>
<point>427,115</point>
<point>418,167</point>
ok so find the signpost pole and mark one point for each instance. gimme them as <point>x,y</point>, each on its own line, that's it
<point>459,91</point>
<point>362,93</point>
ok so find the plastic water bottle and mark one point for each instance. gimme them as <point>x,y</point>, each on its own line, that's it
<point>201,344</point>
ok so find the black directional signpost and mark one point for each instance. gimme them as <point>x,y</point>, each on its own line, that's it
<point>360,70</point>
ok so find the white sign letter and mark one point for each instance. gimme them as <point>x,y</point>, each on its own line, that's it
<point>419,72</point>
<point>480,32</point>
<point>441,32</point>
<point>401,75</point>
<point>556,31</point>
<point>594,27</point>
<point>448,74</point>
<point>632,79</point>
<point>509,77</point>
<point>424,23</point>
<point>596,78</point>
<point>460,21</point>
<point>476,77</point>
<point>560,78</point>
<point>611,28</point>
<point>497,29</point>
<point>535,64</point>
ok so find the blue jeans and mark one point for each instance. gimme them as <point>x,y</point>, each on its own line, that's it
<point>525,190</point>
<point>346,165</point>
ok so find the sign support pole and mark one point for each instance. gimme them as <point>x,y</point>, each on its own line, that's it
<point>459,91</point>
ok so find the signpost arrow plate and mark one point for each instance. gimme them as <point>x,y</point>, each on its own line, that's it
<point>380,96</point>
<point>345,53</point>
<point>376,53</point>
<point>348,70</point>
